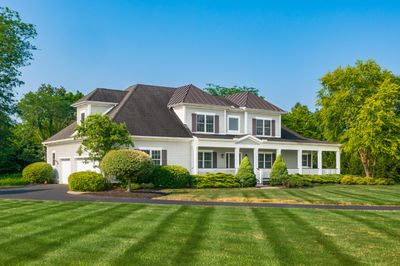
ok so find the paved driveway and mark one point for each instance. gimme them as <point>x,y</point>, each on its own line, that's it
<point>59,192</point>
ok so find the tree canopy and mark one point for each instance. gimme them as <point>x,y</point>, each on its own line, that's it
<point>99,135</point>
<point>359,108</point>
<point>48,110</point>
<point>217,90</point>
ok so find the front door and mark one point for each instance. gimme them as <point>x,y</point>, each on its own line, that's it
<point>65,171</point>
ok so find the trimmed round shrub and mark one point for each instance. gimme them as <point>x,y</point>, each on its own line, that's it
<point>127,165</point>
<point>86,181</point>
<point>246,173</point>
<point>38,173</point>
<point>170,176</point>
<point>217,180</point>
<point>278,173</point>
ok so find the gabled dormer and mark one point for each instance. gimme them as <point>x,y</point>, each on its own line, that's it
<point>237,114</point>
<point>99,101</point>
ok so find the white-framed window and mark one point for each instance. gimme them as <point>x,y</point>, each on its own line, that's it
<point>205,123</point>
<point>263,127</point>
<point>230,159</point>
<point>82,116</point>
<point>265,160</point>
<point>233,124</point>
<point>306,160</point>
<point>205,159</point>
<point>155,155</point>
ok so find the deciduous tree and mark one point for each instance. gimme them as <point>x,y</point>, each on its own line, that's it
<point>217,90</point>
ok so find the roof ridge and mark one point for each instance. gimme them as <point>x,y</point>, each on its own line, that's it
<point>186,92</point>
<point>123,101</point>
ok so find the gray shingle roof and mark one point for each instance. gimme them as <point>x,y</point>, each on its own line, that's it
<point>103,95</point>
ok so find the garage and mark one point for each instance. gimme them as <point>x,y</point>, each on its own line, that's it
<point>65,171</point>
<point>83,164</point>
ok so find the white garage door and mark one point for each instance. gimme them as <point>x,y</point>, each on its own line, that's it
<point>65,171</point>
<point>82,165</point>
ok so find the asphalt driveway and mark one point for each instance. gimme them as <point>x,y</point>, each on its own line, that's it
<point>59,193</point>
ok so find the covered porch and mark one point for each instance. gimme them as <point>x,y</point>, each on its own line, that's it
<point>299,159</point>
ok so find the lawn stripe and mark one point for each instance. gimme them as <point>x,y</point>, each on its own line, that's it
<point>190,249</point>
<point>63,229</point>
<point>282,252</point>
<point>128,257</point>
<point>53,257</point>
<point>16,212</point>
<point>319,198</point>
<point>297,196</point>
<point>15,204</point>
<point>13,220</point>
<point>382,228</point>
<point>262,194</point>
<point>323,240</point>
<point>363,198</point>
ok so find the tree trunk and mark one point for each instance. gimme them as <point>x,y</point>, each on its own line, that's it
<point>129,185</point>
<point>365,162</point>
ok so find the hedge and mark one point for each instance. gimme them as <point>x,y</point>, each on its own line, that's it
<point>322,179</point>
<point>218,180</point>
<point>86,181</point>
<point>358,180</point>
<point>38,173</point>
<point>169,176</point>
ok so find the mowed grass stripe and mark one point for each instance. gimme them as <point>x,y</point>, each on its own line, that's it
<point>33,246</point>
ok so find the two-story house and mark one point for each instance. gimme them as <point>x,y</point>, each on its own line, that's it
<point>187,126</point>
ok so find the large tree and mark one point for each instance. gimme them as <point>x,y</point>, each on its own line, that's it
<point>48,110</point>
<point>359,108</point>
<point>15,52</point>
<point>99,135</point>
<point>217,90</point>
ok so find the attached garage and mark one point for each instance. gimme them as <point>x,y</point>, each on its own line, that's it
<point>66,169</point>
<point>83,164</point>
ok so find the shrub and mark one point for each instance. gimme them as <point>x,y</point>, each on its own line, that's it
<point>86,181</point>
<point>127,165</point>
<point>147,185</point>
<point>246,173</point>
<point>38,173</point>
<point>358,180</point>
<point>218,180</point>
<point>323,179</point>
<point>170,176</point>
<point>12,180</point>
<point>293,181</point>
<point>278,173</point>
<point>134,186</point>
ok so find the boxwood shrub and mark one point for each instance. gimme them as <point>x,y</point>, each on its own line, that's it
<point>86,181</point>
<point>169,176</point>
<point>38,173</point>
<point>218,180</point>
<point>322,179</point>
<point>294,181</point>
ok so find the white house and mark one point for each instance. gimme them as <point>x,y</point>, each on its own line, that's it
<point>186,126</point>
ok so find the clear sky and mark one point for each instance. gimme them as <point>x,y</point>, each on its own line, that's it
<point>280,47</point>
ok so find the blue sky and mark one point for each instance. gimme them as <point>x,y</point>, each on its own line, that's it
<point>280,47</point>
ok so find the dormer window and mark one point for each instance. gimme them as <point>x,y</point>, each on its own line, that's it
<point>263,127</point>
<point>205,123</point>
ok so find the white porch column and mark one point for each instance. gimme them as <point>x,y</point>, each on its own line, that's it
<point>299,161</point>
<point>255,162</point>
<point>278,152</point>
<point>195,149</point>
<point>237,155</point>
<point>338,162</point>
<point>245,129</point>
<point>319,161</point>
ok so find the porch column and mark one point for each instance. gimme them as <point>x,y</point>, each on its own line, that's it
<point>195,149</point>
<point>319,161</point>
<point>255,163</point>
<point>338,162</point>
<point>278,152</point>
<point>299,161</point>
<point>237,154</point>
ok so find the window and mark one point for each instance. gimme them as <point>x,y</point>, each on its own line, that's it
<point>263,127</point>
<point>230,159</point>
<point>53,158</point>
<point>265,160</point>
<point>306,160</point>
<point>233,124</point>
<point>205,159</point>
<point>205,123</point>
<point>155,155</point>
<point>83,116</point>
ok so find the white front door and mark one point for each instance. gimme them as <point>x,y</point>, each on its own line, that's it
<point>65,171</point>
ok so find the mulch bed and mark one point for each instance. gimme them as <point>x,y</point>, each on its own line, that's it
<point>122,193</point>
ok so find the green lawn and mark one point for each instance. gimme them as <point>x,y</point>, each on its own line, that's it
<point>79,233</point>
<point>325,194</point>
